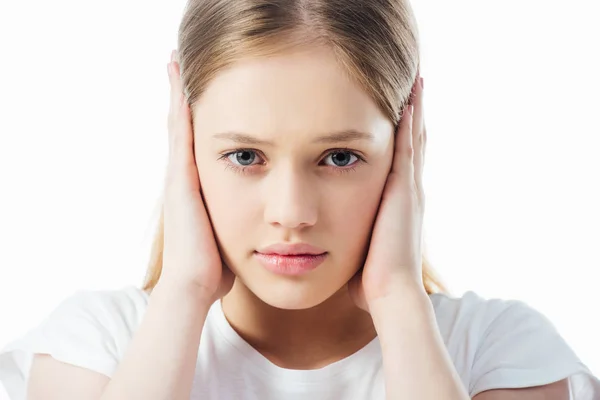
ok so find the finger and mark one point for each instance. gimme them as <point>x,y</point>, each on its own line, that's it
<point>176,86</point>
<point>182,164</point>
<point>418,119</point>
<point>180,126</point>
<point>418,135</point>
<point>402,164</point>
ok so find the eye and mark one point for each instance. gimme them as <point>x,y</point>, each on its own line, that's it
<point>243,158</point>
<point>341,158</point>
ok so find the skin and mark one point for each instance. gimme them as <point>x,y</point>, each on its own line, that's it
<point>389,291</point>
<point>287,195</point>
<point>293,192</point>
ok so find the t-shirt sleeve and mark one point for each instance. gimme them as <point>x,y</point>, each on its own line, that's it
<point>89,329</point>
<point>521,348</point>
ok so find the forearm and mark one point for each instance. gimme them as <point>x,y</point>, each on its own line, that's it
<point>161,359</point>
<point>415,360</point>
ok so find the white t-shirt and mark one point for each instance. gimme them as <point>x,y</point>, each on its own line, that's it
<point>493,344</point>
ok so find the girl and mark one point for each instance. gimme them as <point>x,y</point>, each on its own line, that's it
<point>288,262</point>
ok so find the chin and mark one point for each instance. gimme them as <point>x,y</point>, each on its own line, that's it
<point>291,295</point>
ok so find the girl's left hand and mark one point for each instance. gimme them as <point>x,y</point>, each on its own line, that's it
<point>393,263</point>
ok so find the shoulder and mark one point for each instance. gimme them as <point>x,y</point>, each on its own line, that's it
<point>89,329</point>
<point>125,306</point>
<point>505,343</point>
<point>112,315</point>
<point>477,314</point>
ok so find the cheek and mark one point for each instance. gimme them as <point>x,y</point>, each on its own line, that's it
<point>350,220</point>
<point>232,208</point>
<point>351,214</point>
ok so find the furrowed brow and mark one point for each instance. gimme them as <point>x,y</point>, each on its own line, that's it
<point>335,137</point>
<point>344,136</point>
<point>242,138</point>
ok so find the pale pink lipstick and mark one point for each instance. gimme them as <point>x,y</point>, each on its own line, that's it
<point>290,259</point>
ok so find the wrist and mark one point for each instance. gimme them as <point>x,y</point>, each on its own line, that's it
<point>405,305</point>
<point>183,291</point>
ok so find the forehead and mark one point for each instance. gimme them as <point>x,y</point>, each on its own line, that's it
<point>305,91</point>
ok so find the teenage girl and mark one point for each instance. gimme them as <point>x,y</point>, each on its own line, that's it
<point>289,259</point>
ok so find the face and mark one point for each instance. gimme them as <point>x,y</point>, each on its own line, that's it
<point>290,150</point>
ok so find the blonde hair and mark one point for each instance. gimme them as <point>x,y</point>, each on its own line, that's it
<point>376,41</point>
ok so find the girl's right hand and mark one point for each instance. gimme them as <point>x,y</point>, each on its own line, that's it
<point>191,258</point>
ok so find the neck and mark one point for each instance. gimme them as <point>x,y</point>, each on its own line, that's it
<point>299,339</point>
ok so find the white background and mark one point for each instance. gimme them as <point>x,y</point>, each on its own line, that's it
<point>512,171</point>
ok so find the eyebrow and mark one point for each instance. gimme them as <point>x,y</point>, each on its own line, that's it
<point>349,135</point>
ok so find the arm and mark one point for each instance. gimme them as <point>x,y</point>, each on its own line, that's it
<point>159,364</point>
<point>411,341</point>
<point>555,391</point>
<point>415,361</point>
<point>50,379</point>
<point>161,359</point>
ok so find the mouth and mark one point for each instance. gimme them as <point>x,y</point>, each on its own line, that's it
<point>290,264</point>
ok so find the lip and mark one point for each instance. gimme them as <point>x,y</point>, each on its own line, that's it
<point>291,265</point>
<point>291,249</point>
<point>290,259</point>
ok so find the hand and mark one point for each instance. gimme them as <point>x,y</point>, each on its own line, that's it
<point>190,257</point>
<point>394,259</point>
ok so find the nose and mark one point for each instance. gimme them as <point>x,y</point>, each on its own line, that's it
<point>291,199</point>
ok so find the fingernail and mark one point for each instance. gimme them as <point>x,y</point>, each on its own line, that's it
<point>169,69</point>
<point>422,83</point>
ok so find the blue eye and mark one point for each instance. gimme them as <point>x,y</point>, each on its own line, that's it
<point>243,158</point>
<point>341,158</point>
<point>248,161</point>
